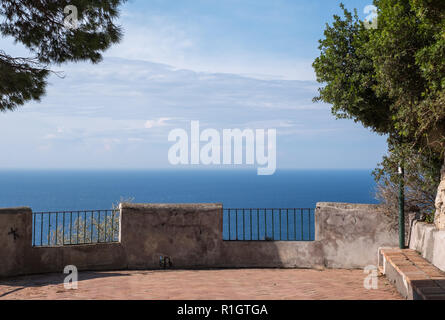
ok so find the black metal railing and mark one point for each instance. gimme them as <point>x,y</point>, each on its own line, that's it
<point>75,227</point>
<point>288,224</point>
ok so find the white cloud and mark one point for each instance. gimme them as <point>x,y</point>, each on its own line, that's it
<point>135,140</point>
<point>161,122</point>
<point>167,72</point>
<point>156,39</point>
<point>181,44</point>
<point>98,115</point>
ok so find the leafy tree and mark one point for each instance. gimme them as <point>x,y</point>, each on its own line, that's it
<point>408,51</point>
<point>392,80</point>
<point>347,71</point>
<point>49,30</point>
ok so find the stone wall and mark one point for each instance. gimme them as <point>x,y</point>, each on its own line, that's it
<point>15,239</point>
<point>429,241</point>
<point>18,257</point>
<point>191,235</point>
<point>352,233</point>
<point>440,203</point>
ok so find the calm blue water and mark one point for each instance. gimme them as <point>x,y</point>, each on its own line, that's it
<point>82,190</point>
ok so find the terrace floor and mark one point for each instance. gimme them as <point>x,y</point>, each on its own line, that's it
<point>246,284</point>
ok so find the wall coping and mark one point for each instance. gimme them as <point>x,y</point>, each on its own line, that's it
<point>14,210</point>
<point>183,206</point>
<point>347,206</point>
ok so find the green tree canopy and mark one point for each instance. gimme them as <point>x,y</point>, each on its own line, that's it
<point>408,50</point>
<point>48,29</point>
<point>392,78</point>
<point>347,71</point>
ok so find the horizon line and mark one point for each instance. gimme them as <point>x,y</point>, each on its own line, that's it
<point>173,169</point>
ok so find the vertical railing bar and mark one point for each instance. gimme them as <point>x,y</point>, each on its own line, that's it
<point>295,224</point>
<point>251,225</point>
<point>105,231</point>
<point>91,226</point>
<point>302,230</point>
<point>112,226</point>
<point>244,225</point>
<point>258,222</point>
<point>309,225</point>
<point>280,225</point>
<point>63,229</point>
<point>265,224</point>
<point>287,224</point>
<point>41,229</point>
<point>116,216</point>
<point>49,228</point>
<point>236,224</point>
<point>230,233</point>
<point>71,228</point>
<point>85,227</point>
<point>273,226</point>
<point>57,227</point>
<point>118,221</point>
<point>77,233</point>
<point>98,226</point>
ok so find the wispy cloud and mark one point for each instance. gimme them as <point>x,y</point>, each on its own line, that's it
<point>161,122</point>
<point>119,114</point>
<point>187,40</point>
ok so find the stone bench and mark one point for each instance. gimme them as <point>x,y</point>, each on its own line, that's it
<point>413,276</point>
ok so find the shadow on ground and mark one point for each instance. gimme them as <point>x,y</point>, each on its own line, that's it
<point>36,281</point>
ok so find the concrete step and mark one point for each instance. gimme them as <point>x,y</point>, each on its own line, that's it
<point>413,276</point>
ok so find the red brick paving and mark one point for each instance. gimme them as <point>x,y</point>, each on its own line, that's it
<point>249,284</point>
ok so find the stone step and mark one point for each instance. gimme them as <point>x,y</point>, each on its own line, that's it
<point>413,276</point>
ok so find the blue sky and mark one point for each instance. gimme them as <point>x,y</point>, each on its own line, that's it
<point>228,64</point>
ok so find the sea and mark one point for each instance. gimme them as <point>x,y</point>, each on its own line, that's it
<point>66,190</point>
<point>53,190</point>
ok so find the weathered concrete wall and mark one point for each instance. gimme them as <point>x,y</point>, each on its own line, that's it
<point>191,235</point>
<point>271,254</point>
<point>429,242</point>
<point>13,251</point>
<point>440,203</point>
<point>104,256</point>
<point>352,233</point>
